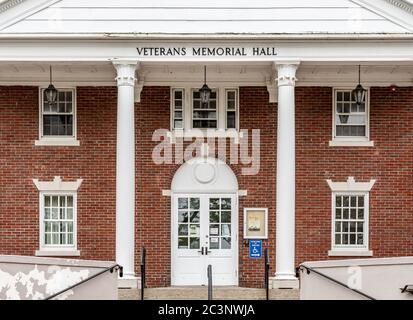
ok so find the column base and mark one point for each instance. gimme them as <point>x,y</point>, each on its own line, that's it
<point>129,282</point>
<point>284,283</point>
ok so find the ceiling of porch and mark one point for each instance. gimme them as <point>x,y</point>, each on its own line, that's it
<point>260,73</point>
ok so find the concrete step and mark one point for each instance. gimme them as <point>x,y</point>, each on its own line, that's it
<point>201,293</point>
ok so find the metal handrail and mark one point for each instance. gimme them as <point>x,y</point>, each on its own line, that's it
<point>209,274</point>
<point>112,268</point>
<point>267,273</point>
<point>309,269</point>
<point>143,272</point>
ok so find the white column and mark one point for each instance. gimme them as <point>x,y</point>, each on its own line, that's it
<point>285,228</point>
<point>125,170</point>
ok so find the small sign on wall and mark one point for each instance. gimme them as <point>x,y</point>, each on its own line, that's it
<point>255,249</point>
<point>255,223</point>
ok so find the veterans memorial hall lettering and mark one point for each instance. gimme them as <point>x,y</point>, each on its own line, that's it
<point>206,51</point>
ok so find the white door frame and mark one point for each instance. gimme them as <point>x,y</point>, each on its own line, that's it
<point>234,223</point>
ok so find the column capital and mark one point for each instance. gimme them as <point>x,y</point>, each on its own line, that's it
<point>286,73</point>
<point>125,72</point>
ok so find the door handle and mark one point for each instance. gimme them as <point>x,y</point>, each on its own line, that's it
<point>201,251</point>
<point>207,251</point>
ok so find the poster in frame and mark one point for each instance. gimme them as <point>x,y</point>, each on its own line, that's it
<point>255,223</point>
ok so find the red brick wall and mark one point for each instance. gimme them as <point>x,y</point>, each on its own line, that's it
<point>94,161</point>
<point>390,162</point>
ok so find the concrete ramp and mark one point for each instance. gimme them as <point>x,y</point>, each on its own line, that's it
<point>357,279</point>
<point>35,278</point>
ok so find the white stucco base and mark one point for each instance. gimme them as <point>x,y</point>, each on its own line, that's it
<point>128,282</point>
<point>284,283</point>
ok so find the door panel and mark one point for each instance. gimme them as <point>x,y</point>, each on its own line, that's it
<point>204,230</point>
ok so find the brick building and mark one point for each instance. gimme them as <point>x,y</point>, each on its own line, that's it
<point>128,154</point>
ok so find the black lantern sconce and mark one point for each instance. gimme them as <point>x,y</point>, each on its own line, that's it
<point>205,91</point>
<point>51,92</point>
<point>359,93</point>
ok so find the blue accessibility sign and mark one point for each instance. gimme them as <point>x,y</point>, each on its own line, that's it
<point>255,249</point>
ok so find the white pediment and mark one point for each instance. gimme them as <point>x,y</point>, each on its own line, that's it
<point>206,17</point>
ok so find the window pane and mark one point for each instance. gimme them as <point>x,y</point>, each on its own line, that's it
<point>183,243</point>
<point>226,216</point>
<point>183,203</point>
<point>338,239</point>
<point>231,120</point>
<point>214,216</point>
<point>178,124</point>
<point>194,216</point>
<point>214,243</point>
<point>226,230</point>
<point>183,230</point>
<point>338,214</point>
<point>69,213</point>
<point>194,230</point>
<point>214,203</point>
<point>183,216</point>
<point>194,243</point>
<point>226,243</point>
<point>194,203</point>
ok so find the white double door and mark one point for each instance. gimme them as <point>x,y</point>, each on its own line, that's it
<point>204,232</point>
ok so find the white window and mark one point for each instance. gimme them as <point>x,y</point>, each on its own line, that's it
<point>350,120</point>
<point>231,103</point>
<point>204,116</point>
<point>350,218</point>
<point>58,120</point>
<point>58,217</point>
<point>178,99</point>
<point>221,113</point>
<point>58,226</point>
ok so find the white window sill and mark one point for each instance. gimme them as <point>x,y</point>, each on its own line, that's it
<point>205,133</point>
<point>69,142</point>
<point>351,143</point>
<point>350,253</point>
<point>57,253</point>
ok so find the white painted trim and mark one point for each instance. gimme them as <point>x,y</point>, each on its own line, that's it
<point>166,193</point>
<point>205,133</point>
<point>351,248</point>
<point>71,249</point>
<point>350,253</point>
<point>351,141</point>
<point>351,185</point>
<point>398,12</point>
<point>57,253</point>
<point>57,185</point>
<point>265,236</point>
<point>354,143</point>
<point>58,140</point>
<point>62,142</point>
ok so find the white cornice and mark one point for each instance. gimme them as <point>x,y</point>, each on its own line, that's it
<point>351,185</point>
<point>402,5</point>
<point>57,185</point>
<point>9,4</point>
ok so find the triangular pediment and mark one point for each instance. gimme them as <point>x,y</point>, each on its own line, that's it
<point>206,17</point>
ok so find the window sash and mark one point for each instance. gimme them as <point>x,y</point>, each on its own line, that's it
<point>349,220</point>
<point>58,221</point>
<point>233,110</point>
<point>60,128</point>
<point>176,109</point>
<point>352,127</point>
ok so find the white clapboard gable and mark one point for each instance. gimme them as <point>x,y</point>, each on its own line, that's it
<point>207,17</point>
